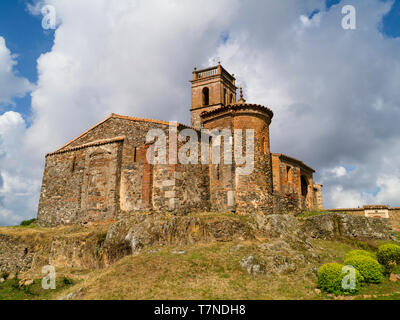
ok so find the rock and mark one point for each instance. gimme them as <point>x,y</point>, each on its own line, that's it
<point>131,234</point>
<point>25,282</point>
<point>28,283</point>
<point>252,265</point>
<point>236,248</point>
<point>278,264</point>
<point>393,278</point>
<point>317,291</point>
<point>178,252</point>
<point>2,280</point>
<point>72,295</point>
<point>276,225</point>
<point>333,226</point>
<point>279,245</point>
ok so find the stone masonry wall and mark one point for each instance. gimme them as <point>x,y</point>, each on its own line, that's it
<point>105,170</point>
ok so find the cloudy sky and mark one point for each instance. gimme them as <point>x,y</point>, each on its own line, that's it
<point>335,92</point>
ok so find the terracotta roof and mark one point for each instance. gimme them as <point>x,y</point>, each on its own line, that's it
<point>345,209</point>
<point>238,106</point>
<point>375,206</point>
<point>117,116</point>
<point>365,207</point>
<point>88,145</point>
<point>299,162</point>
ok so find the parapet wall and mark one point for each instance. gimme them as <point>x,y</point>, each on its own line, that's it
<point>393,213</point>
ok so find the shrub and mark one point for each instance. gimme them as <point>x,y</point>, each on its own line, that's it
<point>330,278</point>
<point>363,253</point>
<point>389,256</point>
<point>369,268</point>
<point>67,281</point>
<point>27,222</point>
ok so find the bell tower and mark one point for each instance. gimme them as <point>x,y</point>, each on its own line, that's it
<point>212,88</point>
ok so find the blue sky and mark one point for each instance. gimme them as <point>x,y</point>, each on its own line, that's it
<point>25,37</point>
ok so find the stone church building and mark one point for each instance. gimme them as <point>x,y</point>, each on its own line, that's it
<point>106,171</point>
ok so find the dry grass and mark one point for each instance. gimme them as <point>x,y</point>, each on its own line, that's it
<point>210,272</point>
<point>31,233</point>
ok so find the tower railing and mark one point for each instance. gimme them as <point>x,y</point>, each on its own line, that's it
<point>211,72</point>
<point>207,73</point>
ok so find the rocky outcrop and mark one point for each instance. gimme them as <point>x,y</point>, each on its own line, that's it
<point>131,234</point>
<point>285,239</point>
<point>336,226</point>
<point>24,250</point>
<point>286,247</point>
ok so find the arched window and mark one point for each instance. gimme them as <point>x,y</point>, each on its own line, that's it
<point>304,186</point>
<point>206,96</point>
<point>231,98</point>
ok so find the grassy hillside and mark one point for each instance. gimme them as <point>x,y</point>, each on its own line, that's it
<point>198,271</point>
<point>206,271</point>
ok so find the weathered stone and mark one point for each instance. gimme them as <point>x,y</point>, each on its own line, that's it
<point>131,234</point>
<point>336,226</point>
<point>253,266</point>
<point>36,249</point>
<point>177,252</point>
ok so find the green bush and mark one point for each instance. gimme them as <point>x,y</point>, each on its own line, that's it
<point>330,279</point>
<point>389,256</point>
<point>27,222</point>
<point>67,281</point>
<point>363,253</point>
<point>369,268</point>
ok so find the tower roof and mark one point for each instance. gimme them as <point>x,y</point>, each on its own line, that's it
<point>213,72</point>
<point>237,107</point>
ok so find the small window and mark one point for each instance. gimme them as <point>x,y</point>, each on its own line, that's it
<point>73,164</point>
<point>225,96</point>
<point>135,154</point>
<point>206,96</point>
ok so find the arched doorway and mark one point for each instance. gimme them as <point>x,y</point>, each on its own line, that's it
<point>304,186</point>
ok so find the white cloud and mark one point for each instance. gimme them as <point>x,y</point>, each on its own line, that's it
<point>122,56</point>
<point>11,85</point>
<point>19,183</point>
<point>339,171</point>
<point>348,198</point>
<point>334,92</point>
<point>17,192</point>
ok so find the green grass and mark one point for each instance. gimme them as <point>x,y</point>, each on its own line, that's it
<point>10,290</point>
<point>312,213</point>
